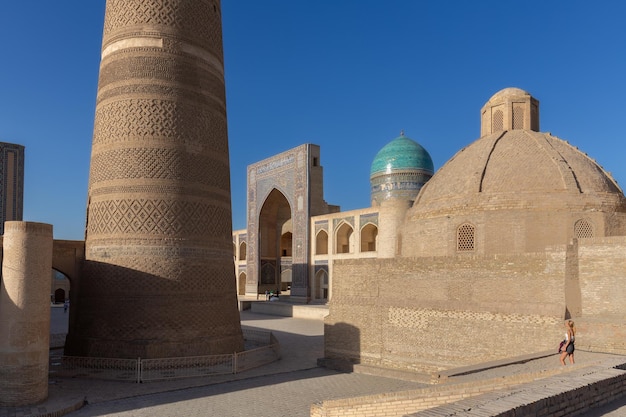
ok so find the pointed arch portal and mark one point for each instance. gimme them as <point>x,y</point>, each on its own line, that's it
<point>275,240</point>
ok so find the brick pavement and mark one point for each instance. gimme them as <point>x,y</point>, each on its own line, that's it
<point>285,388</point>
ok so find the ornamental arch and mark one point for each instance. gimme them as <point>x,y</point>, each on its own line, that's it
<point>369,237</point>
<point>284,192</point>
<point>344,238</point>
<point>321,243</point>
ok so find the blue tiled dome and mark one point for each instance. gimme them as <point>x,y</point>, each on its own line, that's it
<point>401,154</point>
<point>399,171</point>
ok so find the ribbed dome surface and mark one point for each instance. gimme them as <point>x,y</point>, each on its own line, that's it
<point>514,164</point>
<point>401,154</point>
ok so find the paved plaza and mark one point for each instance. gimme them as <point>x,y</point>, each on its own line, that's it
<point>285,388</point>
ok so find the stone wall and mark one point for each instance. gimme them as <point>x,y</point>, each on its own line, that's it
<point>429,314</point>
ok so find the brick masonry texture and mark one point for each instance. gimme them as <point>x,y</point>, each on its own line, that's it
<point>429,314</point>
<point>158,246</point>
<point>25,312</point>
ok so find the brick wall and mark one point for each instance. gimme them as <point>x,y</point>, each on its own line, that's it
<point>428,314</point>
<point>602,278</point>
<point>602,275</point>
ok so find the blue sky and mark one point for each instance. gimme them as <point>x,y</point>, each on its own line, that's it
<point>347,75</point>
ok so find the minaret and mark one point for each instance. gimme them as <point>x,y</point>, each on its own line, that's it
<point>158,280</point>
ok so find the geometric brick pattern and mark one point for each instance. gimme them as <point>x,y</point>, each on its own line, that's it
<point>151,216</point>
<point>157,163</point>
<point>419,318</point>
<point>197,18</point>
<point>158,275</point>
<point>154,120</point>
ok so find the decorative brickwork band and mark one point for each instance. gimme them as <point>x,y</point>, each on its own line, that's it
<point>158,278</point>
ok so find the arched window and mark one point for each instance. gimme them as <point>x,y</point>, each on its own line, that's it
<point>242,251</point>
<point>242,284</point>
<point>465,238</point>
<point>369,233</point>
<point>321,243</point>
<point>583,229</point>
<point>344,239</point>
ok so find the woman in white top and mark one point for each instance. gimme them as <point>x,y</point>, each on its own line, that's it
<point>568,349</point>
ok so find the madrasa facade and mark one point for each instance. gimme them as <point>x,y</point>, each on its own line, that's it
<point>479,261</point>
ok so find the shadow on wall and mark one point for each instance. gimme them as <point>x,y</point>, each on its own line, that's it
<point>119,312</point>
<point>342,347</point>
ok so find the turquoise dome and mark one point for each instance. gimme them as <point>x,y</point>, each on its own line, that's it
<point>401,154</point>
<point>399,171</point>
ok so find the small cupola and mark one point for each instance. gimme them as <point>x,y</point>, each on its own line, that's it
<point>509,109</point>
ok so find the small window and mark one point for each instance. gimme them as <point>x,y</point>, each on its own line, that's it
<point>518,117</point>
<point>465,238</point>
<point>315,161</point>
<point>583,229</point>
<point>498,121</point>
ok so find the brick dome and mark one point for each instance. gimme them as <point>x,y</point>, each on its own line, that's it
<point>521,166</point>
<point>513,190</point>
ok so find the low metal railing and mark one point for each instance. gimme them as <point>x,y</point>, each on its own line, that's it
<point>98,368</point>
<point>266,349</point>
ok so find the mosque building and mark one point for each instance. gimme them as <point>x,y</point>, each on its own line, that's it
<point>284,182</point>
<point>515,233</point>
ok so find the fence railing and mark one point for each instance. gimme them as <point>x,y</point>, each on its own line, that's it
<point>266,349</point>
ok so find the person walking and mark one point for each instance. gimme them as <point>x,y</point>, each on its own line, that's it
<point>568,348</point>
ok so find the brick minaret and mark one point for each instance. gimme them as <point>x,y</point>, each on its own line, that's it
<point>158,280</point>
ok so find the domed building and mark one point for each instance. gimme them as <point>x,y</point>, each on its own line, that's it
<point>513,190</point>
<point>477,262</point>
<point>399,170</point>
